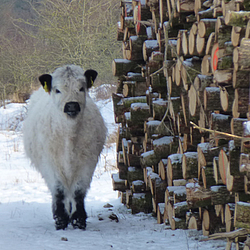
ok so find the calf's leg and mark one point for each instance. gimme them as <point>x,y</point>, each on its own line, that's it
<point>78,219</point>
<point>60,214</point>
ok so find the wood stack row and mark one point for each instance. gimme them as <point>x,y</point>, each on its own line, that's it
<point>184,63</point>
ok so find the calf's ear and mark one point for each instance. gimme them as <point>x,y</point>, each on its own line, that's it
<point>90,77</point>
<point>46,80</point>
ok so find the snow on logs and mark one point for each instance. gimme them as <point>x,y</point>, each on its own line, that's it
<point>182,64</point>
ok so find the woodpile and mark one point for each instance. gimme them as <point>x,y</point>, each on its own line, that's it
<point>182,104</point>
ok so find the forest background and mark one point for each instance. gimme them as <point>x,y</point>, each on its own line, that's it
<point>37,36</point>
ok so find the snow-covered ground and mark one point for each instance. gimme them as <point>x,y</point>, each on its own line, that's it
<point>25,204</point>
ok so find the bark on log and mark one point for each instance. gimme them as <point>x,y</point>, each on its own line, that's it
<point>174,169</point>
<point>149,159</point>
<point>206,153</point>
<point>138,186</point>
<point>118,184</point>
<point>189,70</point>
<point>164,146</point>
<point>237,34</point>
<point>241,55</point>
<point>220,122</point>
<point>190,165</point>
<point>141,202</point>
<point>197,196</point>
<point>242,218</point>
<point>223,77</point>
<point>211,95</point>
<point>206,26</point>
<point>241,78</point>
<point>217,176</point>
<point>241,101</point>
<point>148,47</point>
<point>160,213</point>
<point>220,195</point>
<point>237,18</point>
<point>121,67</point>
<point>162,168</point>
<point>134,174</point>
<point>159,109</point>
<point>207,174</point>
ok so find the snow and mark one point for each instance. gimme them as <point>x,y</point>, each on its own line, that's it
<point>25,204</point>
<point>166,140</point>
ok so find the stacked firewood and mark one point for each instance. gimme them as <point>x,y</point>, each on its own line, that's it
<point>182,103</point>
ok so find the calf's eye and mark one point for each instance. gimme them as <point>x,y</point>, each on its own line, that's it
<point>58,91</point>
<point>82,89</point>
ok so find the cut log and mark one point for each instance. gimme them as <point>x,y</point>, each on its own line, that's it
<point>223,166</point>
<point>162,168</point>
<point>160,212</point>
<point>135,47</point>
<point>220,122</point>
<point>226,98</point>
<point>237,34</point>
<point>200,45</point>
<point>206,65</point>
<point>237,129</point>
<point>210,43</point>
<point>159,108</point>
<point>138,186</point>
<point>211,97</point>
<point>206,26</point>
<point>134,174</point>
<point>164,147</point>
<point>118,184</point>
<point>241,78</point>
<point>217,177</point>
<point>223,77</point>
<point>241,101</point>
<point>220,195</point>
<point>141,202</point>
<point>122,67</point>
<point>242,219</point>
<point>149,159</point>
<point>241,55</point>
<point>190,165</point>
<point>148,47</point>
<point>189,70</point>
<point>206,153</point>
<point>207,174</point>
<point>237,18</point>
<point>174,169</point>
<point>210,223</point>
<point>197,196</point>
<point>194,222</point>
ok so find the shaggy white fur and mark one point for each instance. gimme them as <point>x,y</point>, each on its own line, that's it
<point>64,150</point>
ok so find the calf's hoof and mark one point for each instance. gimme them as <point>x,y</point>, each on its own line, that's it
<point>61,223</point>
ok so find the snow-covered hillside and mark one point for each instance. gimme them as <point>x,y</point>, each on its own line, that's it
<point>25,204</point>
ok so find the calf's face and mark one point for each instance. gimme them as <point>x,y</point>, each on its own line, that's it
<point>67,87</point>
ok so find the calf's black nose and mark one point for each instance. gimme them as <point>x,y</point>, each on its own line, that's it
<point>72,109</point>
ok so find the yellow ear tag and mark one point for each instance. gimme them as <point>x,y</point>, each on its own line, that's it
<point>46,87</point>
<point>92,82</point>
